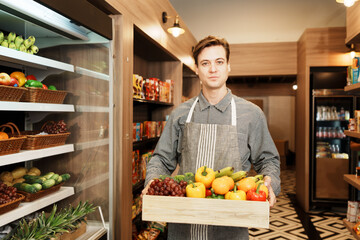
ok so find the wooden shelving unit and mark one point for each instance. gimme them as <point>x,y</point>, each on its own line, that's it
<point>352,134</point>
<point>353,180</point>
<point>352,87</point>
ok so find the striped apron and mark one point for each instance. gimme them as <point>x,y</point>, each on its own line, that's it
<point>211,145</point>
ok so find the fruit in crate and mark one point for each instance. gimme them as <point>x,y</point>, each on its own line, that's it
<point>4,79</point>
<point>205,175</point>
<point>17,175</point>
<point>168,187</point>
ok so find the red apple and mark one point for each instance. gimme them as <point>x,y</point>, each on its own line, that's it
<point>14,82</point>
<point>5,79</point>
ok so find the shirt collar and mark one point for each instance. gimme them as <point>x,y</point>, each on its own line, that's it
<point>221,106</point>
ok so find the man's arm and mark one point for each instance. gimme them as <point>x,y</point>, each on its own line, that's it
<point>164,159</point>
<point>264,154</point>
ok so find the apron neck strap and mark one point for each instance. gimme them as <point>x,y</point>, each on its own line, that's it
<point>233,111</point>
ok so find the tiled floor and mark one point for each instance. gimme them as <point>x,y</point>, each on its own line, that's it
<point>285,222</point>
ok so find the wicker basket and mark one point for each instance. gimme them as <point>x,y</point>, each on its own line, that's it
<point>40,95</point>
<point>34,141</point>
<point>11,94</point>
<point>14,143</point>
<point>11,205</point>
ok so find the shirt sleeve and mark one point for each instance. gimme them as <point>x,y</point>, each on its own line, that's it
<point>164,159</point>
<point>264,154</point>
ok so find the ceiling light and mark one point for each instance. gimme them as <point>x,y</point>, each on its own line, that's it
<point>347,3</point>
<point>294,86</point>
<point>175,30</point>
<point>352,51</point>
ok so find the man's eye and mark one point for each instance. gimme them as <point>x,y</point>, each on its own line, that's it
<point>220,62</point>
<point>205,64</point>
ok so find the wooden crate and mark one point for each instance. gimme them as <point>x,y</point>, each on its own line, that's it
<point>218,212</point>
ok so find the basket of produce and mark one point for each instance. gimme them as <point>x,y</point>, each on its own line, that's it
<point>16,175</point>
<point>10,88</point>
<point>9,199</point>
<point>40,93</point>
<point>10,142</point>
<point>35,187</point>
<point>220,198</point>
<point>51,134</point>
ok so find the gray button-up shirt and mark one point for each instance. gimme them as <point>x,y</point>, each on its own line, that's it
<point>255,144</point>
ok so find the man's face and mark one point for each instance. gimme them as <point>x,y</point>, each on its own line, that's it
<point>213,69</point>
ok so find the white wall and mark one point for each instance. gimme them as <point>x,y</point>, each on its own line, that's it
<point>254,21</point>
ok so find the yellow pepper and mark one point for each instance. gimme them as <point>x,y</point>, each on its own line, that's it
<point>236,195</point>
<point>195,190</point>
<point>205,175</point>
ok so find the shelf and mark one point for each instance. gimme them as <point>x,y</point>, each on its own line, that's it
<point>352,87</point>
<point>35,107</point>
<point>90,73</point>
<point>25,155</point>
<point>21,58</point>
<point>352,180</point>
<point>26,208</point>
<point>152,102</point>
<point>138,186</point>
<point>349,226</point>
<point>83,108</point>
<point>352,134</point>
<point>94,231</point>
<point>92,144</point>
<point>141,143</point>
<point>333,120</point>
<point>328,139</point>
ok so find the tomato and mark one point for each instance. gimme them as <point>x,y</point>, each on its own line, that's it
<point>44,86</point>
<point>31,77</point>
<point>208,192</point>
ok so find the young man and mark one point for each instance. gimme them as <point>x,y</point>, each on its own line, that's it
<point>216,129</point>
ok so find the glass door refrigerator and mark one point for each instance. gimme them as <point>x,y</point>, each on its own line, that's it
<point>331,109</point>
<point>76,59</point>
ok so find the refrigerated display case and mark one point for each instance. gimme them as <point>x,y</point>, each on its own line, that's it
<point>75,59</point>
<point>330,152</point>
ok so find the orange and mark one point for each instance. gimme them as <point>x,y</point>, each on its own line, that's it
<point>246,184</point>
<point>230,181</point>
<point>220,186</point>
<point>3,136</point>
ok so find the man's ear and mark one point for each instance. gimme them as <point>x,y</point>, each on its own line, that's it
<point>229,68</point>
<point>196,70</point>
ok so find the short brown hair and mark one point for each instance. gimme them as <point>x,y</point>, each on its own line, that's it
<point>210,41</point>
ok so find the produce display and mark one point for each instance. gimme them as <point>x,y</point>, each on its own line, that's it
<point>33,184</point>
<point>55,127</point>
<point>51,226</point>
<point>19,79</point>
<point>7,194</point>
<point>207,183</point>
<point>18,43</point>
<point>16,176</point>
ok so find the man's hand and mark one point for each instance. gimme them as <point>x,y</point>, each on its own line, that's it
<point>145,190</point>
<point>271,197</point>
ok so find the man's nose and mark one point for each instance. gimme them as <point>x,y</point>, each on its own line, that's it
<point>213,67</point>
